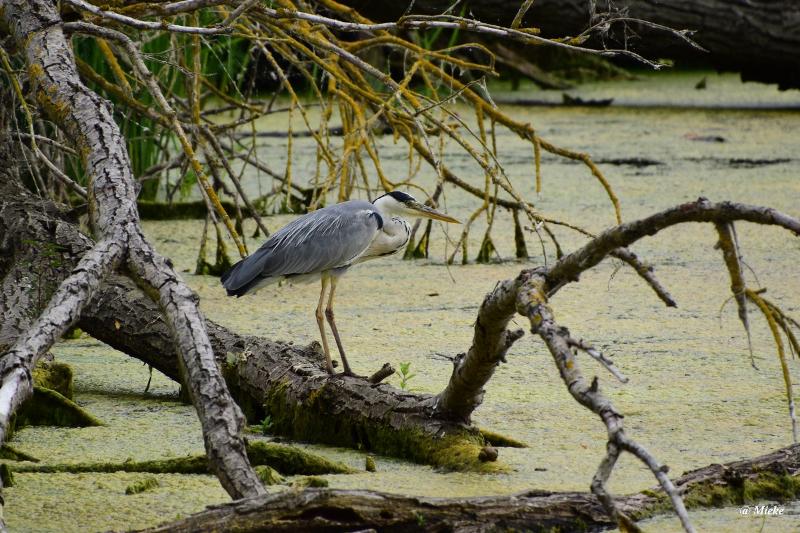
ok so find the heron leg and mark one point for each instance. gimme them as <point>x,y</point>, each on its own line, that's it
<point>334,330</point>
<point>321,324</point>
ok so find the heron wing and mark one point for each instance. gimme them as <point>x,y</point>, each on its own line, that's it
<point>328,238</point>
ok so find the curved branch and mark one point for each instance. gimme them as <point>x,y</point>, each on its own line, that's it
<point>491,341</point>
<point>532,303</point>
<point>570,267</point>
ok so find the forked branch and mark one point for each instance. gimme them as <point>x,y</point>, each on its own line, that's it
<point>532,303</point>
<point>530,293</point>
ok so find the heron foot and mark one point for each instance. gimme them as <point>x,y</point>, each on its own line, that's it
<point>347,373</point>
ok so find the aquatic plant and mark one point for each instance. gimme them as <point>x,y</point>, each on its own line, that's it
<point>265,425</point>
<point>406,375</point>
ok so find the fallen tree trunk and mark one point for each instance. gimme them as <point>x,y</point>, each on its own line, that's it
<point>770,477</point>
<point>758,39</point>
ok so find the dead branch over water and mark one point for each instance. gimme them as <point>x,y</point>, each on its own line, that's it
<point>331,509</point>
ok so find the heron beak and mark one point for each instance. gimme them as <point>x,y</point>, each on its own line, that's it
<point>420,210</point>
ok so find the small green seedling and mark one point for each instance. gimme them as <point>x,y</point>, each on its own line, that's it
<point>265,425</point>
<point>405,375</point>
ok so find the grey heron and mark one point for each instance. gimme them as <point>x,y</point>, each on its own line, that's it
<point>324,244</point>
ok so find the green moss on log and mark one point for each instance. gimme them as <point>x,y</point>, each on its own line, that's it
<point>10,454</point>
<point>143,485</point>
<point>268,475</point>
<point>309,482</point>
<point>51,403</point>
<point>764,486</point>
<point>501,441</point>
<point>285,459</point>
<point>6,475</point>
<point>195,464</point>
<point>292,461</point>
<point>770,486</point>
<point>54,376</point>
<point>458,450</point>
<point>50,408</point>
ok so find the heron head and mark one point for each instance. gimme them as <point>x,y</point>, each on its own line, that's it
<point>405,204</point>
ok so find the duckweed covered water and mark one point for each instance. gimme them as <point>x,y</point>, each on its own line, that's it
<point>693,398</point>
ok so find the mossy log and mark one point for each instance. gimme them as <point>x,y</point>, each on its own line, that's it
<point>49,408</point>
<point>268,475</point>
<point>287,460</point>
<point>12,454</point>
<point>289,384</point>
<point>51,403</point>
<point>54,376</point>
<point>768,477</point>
<point>143,485</point>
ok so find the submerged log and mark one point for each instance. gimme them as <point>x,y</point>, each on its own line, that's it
<point>287,460</point>
<point>769,477</point>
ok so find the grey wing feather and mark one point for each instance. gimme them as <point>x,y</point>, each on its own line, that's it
<point>325,239</point>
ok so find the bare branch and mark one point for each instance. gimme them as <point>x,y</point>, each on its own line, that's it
<point>491,341</point>
<point>645,271</point>
<point>532,303</point>
<point>569,268</point>
<point>382,373</point>
<point>145,25</point>
<point>598,356</point>
<point>454,23</point>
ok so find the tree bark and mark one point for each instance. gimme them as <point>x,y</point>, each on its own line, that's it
<point>34,27</point>
<point>760,39</point>
<point>769,477</point>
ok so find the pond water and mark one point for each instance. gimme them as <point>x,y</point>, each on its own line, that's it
<point>693,398</point>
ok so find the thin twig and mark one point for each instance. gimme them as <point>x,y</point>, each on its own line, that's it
<point>145,25</point>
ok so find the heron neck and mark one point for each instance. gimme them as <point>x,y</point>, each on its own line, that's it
<point>386,208</point>
<point>392,215</point>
